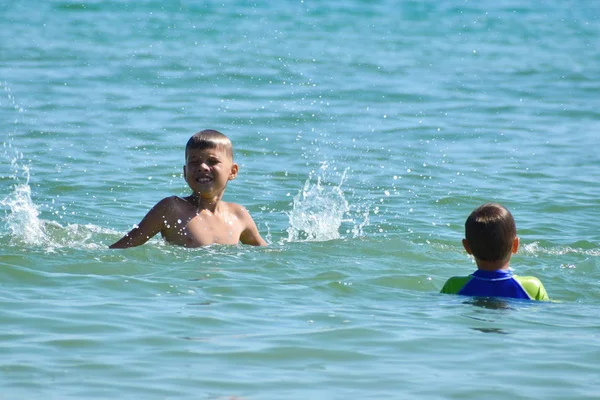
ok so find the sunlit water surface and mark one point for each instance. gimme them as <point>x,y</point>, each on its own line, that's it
<point>365,133</point>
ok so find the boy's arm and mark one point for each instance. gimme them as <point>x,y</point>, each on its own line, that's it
<point>455,284</point>
<point>542,294</point>
<point>534,287</point>
<point>250,233</point>
<point>150,225</point>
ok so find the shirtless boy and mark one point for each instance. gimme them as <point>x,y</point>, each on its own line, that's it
<point>201,218</point>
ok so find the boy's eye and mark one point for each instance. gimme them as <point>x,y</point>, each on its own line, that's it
<point>210,161</point>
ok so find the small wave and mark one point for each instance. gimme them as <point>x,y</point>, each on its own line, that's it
<point>535,249</point>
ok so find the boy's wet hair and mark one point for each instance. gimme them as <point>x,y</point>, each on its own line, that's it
<point>490,231</point>
<point>209,139</point>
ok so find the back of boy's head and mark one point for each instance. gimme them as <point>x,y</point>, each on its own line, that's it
<point>490,231</point>
<point>209,139</point>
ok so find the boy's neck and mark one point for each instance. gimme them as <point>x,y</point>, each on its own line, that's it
<point>485,265</point>
<point>204,203</point>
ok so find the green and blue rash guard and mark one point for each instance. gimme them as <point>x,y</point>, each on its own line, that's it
<point>501,283</point>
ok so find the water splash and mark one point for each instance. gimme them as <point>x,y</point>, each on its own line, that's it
<point>320,209</point>
<point>21,214</point>
<point>25,227</point>
<point>10,153</point>
<point>22,218</point>
<point>22,224</point>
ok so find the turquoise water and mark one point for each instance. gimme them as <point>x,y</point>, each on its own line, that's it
<point>366,132</point>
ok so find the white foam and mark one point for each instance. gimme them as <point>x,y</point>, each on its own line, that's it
<point>320,208</point>
<point>25,227</point>
<point>535,249</point>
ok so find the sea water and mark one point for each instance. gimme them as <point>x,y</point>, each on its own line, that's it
<point>366,132</point>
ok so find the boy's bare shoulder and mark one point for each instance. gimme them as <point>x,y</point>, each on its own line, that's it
<point>172,208</point>
<point>175,199</point>
<point>172,201</point>
<point>249,234</point>
<point>238,210</point>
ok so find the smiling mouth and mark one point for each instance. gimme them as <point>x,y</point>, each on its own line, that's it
<point>204,179</point>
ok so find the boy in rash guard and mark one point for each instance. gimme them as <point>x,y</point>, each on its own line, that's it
<point>491,237</point>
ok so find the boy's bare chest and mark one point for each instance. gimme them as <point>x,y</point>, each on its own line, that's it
<point>191,229</point>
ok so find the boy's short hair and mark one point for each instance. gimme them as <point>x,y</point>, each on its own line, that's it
<point>209,139</point>
<point>490,231</point>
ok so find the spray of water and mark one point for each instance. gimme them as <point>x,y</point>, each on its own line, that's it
<point>22,215</point>
<point>24,226</point>
<point>320,209</point>
<point>21,222</point>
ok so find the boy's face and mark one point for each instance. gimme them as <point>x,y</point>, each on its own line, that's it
<point>207,171</point>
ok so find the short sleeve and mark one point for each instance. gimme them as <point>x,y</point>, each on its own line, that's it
<point>455,284</point>
<point>534,287</point>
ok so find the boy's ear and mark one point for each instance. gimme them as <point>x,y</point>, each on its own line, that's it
<point>466,246</point>
<point>234,171</point>
<point>515,245</point>
<point>184,177</point>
